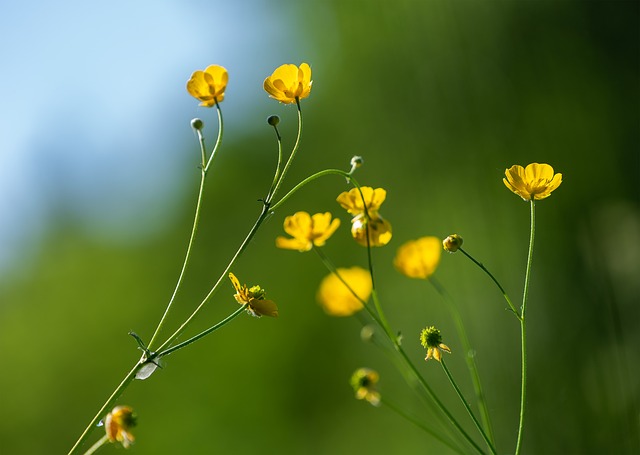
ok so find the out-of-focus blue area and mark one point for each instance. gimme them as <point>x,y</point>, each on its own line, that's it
<point>91,117</point>
<point>98,180</point>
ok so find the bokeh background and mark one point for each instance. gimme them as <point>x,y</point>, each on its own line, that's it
<point>98,178</point>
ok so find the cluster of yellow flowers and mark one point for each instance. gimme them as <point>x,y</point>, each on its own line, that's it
<point>346,291</point>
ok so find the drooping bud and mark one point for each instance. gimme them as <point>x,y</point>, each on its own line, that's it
<point>197,124</point>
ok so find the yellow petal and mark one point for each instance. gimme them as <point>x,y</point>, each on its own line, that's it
<point>419,258</point>
<point>264,308</point>
<point>337,299</point>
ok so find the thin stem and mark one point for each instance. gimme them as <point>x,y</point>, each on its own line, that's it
<point>99,443</point>
<point>105,407</point>
<point>276,175</point>
<point>309,180</point>
<point>466,406</point>
<point>263,215</point>
<point>504,293</point>
<point>469,356</point>
<point>293,154</point>
<point>195,338</point>
<point>194,230</point>
<point>219,139</point>
<point>523,327</point>
<point>396,344</point>
<point>419,424</point>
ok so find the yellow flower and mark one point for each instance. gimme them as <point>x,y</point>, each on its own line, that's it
<point>288,83</point>
<point>418,258</point>
<point>379,228</point>
<point>208,86</point>
<point>254,297</point>
<point>337,299</point>
<point>307,231</point>
<point>118,423</point>
<point>431,340</point>
<point>364,382</point>
<point>536,181</point>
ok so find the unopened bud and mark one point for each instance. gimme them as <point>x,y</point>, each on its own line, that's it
<point>273,120</point>
<point>197,124</point>
<point>356,162</point>
<point>452,243</point>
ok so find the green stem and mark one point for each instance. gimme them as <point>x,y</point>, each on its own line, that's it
<point>99,443</point>
<point>466,406</point>
<point>523,328</point>
<point>194,229</point>
<point>195,338</point>
<point>420,425</point>
<point>105,407</point>
<point>290,160</point>
<point>309,180</point>
<point>218,140</point>
<point>396,344</point>
<point>263,215</point>
<point>469,357</point>
<point>504,293</point>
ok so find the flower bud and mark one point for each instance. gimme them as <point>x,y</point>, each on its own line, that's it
<point>197,124</point>
<point>452,243</point>
<point>356,162</point>
<point>273,120</point>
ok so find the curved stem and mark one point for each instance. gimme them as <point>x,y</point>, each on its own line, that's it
<point>466,406</point>
<point>218,140</point>
<point>396,344</point>
<point>308,180</point>
<point>523,328</point>
<point>469,357</point>
<point>290,160</point>
<point>194,230</point>
<point>225,272</point>
<point>105,407</point>
<point>504,293</point>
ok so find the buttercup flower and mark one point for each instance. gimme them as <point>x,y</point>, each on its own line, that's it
<point>209,85</point>
<point>418,258</point>
<point>431,340</point>
<point>254,297</point>
<point>379,228</point>
<point>452,243</point>
<point>307,231</point>
<point>336,298</point>
<point>364,382</point>
<point>118,423</point>
<point>289,84</point>
<point>536,181</point>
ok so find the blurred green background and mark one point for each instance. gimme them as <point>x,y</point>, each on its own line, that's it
<point>439,97</point>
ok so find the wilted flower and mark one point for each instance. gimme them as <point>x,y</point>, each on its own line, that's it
<point>431,340</point>
<point>118,423</point>
<point>254,297</point>
<point>364,382</point>
<point>452,243</point>
<point>307,231</point>
<point>289,84</point>
<point>370,220</point>
<point>418,258</point>
<point>209,85</point>
<point>337,299</point>
<point>536,181</point>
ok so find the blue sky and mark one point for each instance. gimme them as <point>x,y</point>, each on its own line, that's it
<point>94,116</point>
